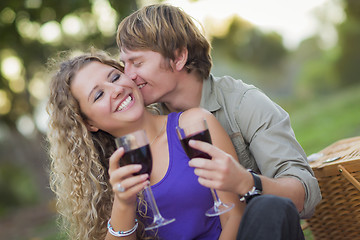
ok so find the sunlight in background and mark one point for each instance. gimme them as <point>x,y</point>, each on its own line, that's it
<point>32,3</point>
<point>12,69</point>
<point>25,125</point>
<point>37,86</point>
<point>107,17</point>
<point>71,25</point>
<point>26,28</point>
<point>5,104</point>
<point>50,32</point>
<point>7,15</point>
<point>41,116</point>
<point>294,20</point>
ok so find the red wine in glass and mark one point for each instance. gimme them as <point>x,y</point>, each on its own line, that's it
<point>137,151</point>
<point>192,152</point>
<point>199,131</point>
<point>141,155</point>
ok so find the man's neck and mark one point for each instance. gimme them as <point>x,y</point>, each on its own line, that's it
<point>187,95</point>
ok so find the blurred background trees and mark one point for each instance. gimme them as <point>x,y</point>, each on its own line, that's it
<point>32,31</point>
<point>347,63</point>
<point>313,82</point>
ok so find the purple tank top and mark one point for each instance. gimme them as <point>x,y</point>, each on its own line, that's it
<point>179,195</point>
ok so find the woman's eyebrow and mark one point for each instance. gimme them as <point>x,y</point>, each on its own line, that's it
<point>108,76</point>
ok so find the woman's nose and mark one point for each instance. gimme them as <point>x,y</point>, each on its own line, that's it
<point>116,90</point>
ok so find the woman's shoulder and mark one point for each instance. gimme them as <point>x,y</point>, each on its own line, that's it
<point>195,114</point>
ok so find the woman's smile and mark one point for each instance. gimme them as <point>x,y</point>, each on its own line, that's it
<point>128,102</point>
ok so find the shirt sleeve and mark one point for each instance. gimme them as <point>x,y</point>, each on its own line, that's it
<point>266,128</point>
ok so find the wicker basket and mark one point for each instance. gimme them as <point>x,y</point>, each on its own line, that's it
<point>338,172</point>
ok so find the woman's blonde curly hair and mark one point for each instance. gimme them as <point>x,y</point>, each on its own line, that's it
<point>79,158</point>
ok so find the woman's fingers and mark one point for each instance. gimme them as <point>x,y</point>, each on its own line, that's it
<point>123,180</point>
<point>125,184</point>
<point>129,187</point>
<point>120,173</point>
<point>115,158</point>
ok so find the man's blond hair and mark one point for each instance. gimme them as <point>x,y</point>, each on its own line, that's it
<point>166,29</point>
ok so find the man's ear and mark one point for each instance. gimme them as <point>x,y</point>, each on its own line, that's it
<point>90,126</point>
<point>181,57</point>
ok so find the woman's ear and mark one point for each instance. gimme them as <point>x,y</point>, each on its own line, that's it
<point>181,57</point>
<point>90,126</point>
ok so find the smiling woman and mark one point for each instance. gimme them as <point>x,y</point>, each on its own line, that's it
<point>92,102</point>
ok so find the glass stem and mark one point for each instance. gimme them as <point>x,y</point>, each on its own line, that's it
<point>216,198</point>
<point>152,203</point>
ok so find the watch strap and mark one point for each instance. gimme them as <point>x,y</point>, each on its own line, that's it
<point>255,191</point>
<point>257,181</point>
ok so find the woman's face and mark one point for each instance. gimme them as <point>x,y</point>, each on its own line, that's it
<point>110,100</point>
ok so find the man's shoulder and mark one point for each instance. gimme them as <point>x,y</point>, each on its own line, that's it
<point>229,83</point>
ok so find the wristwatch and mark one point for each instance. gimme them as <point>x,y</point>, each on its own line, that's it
<point>255,191</point>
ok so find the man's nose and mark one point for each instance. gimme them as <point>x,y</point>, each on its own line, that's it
<point>130,73</point>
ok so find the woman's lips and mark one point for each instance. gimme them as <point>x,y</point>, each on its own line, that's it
<point>125,103</point>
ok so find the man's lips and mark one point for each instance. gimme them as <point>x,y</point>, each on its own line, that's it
<point>140,86</point>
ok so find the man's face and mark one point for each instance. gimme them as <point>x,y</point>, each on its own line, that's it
<point>151,73</point>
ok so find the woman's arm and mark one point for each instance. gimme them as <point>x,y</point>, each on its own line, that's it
<point>124,207</point>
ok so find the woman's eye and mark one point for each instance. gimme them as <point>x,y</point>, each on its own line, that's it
<point>115,77</point>
<point>98,95</point>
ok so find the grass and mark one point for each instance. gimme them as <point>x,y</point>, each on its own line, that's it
<point>323,121</point>
<point>319,123</point>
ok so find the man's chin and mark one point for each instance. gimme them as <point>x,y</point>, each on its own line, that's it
<point>149,101</point>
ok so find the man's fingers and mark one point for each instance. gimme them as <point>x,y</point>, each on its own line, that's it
<point>207,148</point>
<point>202,163</point>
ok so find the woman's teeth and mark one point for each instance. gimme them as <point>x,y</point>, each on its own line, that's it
<point>141,86</point>
<point>125,103</point>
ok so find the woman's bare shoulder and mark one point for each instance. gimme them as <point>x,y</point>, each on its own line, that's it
<point>194,114</point>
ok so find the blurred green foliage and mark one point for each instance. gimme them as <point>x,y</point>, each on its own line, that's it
<point>16,187</point>
<point>347,64</point>
<point>246,44</point>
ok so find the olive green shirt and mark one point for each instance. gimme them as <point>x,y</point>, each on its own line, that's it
<point>261,133</point>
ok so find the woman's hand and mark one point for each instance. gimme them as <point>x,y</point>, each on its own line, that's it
<point>130,184</point>
<point>222,172</point>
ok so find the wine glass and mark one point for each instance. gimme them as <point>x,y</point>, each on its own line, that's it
<point>199,131</point>
<point>137,151</point>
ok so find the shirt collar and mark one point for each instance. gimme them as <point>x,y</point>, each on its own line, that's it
<point>208,95</point>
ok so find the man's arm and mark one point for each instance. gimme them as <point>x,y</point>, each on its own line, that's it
<point>279,156</point>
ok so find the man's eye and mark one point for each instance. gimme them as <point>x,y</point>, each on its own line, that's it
<point>137,64</point>
<point>115,77</point>
<point>98,95</point>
